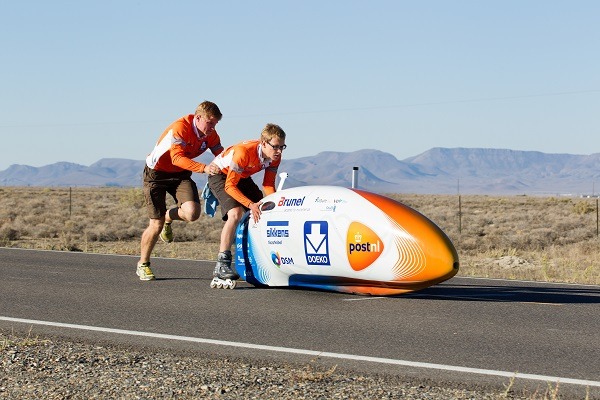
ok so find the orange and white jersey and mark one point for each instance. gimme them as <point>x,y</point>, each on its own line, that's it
<point>243,160</point>
<point>181,142</point>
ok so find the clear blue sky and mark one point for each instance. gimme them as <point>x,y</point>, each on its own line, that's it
<point>85,80</point>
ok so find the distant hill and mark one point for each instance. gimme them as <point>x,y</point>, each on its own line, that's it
<point>106,172</point>
<point>436,171</point>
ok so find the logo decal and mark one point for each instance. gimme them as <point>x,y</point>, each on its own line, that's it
<point>278,260</point>
<point>275,258</point>
<point>363,246</point>
<point>316,242</point>
<point>283,202</point>
<point>278,229</point>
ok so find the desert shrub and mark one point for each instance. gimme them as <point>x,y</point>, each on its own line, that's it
<point>7,233</point>
<point>75,225</point>
<point>131,232</point>
<point>132,197</point>
<point>8,215</point>
<point>44,230</point>
<point>553,201</point>
<point>464,244</point>
<point>101,233</point>
<point>583,207</point>
<point>539,239</point>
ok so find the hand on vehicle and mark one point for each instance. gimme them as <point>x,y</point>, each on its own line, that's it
<point>255,211</point>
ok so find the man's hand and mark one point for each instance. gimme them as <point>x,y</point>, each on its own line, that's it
<point>255,211</point>
<point>211,169</point>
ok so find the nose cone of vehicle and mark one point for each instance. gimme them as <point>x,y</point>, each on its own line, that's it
<point>426,255</point>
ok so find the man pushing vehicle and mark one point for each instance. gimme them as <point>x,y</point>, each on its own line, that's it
<point>236,191</point>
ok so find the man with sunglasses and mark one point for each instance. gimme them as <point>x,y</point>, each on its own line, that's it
<point>236,191</point>
<point>169,169</point>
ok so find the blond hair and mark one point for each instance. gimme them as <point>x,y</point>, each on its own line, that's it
<point>270,131</point>
<point>208,109</point>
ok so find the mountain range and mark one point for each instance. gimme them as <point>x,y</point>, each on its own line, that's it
<point>436,171</point>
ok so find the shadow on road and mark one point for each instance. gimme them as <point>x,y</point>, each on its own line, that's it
<point>504,293</point>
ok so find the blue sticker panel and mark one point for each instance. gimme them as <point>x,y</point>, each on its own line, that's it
<point>316,242</point>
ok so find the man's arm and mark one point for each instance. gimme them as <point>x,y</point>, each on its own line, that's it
<point>269,180</point>
<point>179,159</point>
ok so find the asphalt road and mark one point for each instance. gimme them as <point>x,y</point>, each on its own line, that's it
<point>468,330</point>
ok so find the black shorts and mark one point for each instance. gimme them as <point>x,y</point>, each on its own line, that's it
<point>157,184</point>
<point>216,183</point>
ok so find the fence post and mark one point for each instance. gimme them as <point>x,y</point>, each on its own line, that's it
<point>70,202</point>
<point>459,215</point>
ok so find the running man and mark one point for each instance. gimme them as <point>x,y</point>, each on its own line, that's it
<point>236,191</point>
<point>169,169</point>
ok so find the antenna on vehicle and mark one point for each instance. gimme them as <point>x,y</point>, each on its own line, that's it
<point>282,177</point>
<point>354,177</point>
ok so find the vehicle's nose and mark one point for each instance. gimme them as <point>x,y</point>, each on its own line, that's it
<point>425,253</point>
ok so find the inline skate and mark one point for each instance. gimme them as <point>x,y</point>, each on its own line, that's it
<point>224,277</point>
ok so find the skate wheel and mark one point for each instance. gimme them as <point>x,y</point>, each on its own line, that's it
<point>219,285</point>
<point>229,284</point>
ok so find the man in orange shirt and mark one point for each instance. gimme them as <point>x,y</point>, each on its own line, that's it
<point>169,169</point>
<point>236,191</point>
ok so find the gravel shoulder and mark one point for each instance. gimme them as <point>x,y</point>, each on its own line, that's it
<point>58,368</point>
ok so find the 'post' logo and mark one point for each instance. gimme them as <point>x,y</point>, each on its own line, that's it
<point>363,246</point>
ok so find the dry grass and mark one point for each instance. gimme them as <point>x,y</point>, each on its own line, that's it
<point>519,237</point>
<point>516,237</point>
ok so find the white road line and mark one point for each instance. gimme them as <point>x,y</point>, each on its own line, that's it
<point>103,254</point>
<point>379,360</point>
